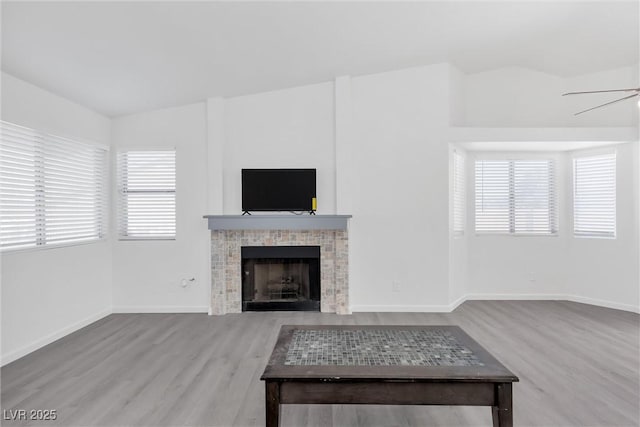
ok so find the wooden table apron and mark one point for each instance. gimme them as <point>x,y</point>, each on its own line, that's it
<point>486,385</point>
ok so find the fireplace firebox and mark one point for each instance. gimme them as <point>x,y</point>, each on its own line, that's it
<point>277,278</point>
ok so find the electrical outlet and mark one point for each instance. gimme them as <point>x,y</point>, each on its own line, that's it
<point>532,277</point>
<point>395,286</point>
<point>186,282</point>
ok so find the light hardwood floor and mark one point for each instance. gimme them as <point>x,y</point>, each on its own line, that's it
<point>578,366</point>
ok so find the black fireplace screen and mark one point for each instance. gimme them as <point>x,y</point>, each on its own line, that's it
<point>281,278</point>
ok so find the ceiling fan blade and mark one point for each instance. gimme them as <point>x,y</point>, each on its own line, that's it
<point>608,103</point>
<point>603,91</point>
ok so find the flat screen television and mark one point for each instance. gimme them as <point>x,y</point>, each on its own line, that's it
<point>278,190</point>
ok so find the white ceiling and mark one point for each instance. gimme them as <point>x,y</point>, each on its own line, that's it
<point>124,57</point>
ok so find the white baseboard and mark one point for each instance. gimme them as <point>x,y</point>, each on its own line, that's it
<point>496,297</point>
<point>448,308</point>
<point>160,309</point>
<point>515,297</point>
<point>402,308</point>
<point>39,343</point>
<point>457,302</point>
<point>556,297</point>
<point>604,303</point>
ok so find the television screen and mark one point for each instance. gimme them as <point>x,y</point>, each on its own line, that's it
<point>278,189</point>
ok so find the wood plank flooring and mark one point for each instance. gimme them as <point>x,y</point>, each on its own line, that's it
<point>578,366</point>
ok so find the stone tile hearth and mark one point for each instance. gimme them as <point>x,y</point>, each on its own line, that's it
<point>226,285</point>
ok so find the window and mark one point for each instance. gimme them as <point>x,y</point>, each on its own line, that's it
<point>458,193</point>
<point>515,197</point>
<point>53,190</point>
<point>147,194</point>
<point>594,196</point>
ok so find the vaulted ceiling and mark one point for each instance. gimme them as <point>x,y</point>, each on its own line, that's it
<point>124,57</point>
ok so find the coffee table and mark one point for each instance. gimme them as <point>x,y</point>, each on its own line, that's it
<point>384,365</point>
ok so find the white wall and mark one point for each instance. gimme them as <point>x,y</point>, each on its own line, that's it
<point>48,293</point>
<point>520,97</point>
<point>400,205</point>
<point>605,271</point>
<point>595,271</point>
<point>391,138</point>
<point>389,134</point>
<point>524,105</point>
<point>502,266</point>
<point>457,96</point>
<point>458,244</point>
<point>292,128</point>
<point>386,137</point>
<point>147,274</point>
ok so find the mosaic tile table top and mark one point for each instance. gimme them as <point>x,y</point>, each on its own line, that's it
<point>384,365</point>
<point>378,347</point>
<point>382,352</point>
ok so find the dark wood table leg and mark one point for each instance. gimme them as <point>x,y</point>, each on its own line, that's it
<point>494,416</point>
<point>272,401</point>
<point>503,412</point>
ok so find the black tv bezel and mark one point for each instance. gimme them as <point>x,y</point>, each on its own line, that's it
<point>285,209</point>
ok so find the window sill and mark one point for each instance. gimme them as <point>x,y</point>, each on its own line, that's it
<point>51,246</point>
<point>595,237</point>
<point>143,238</point>
<point>515,235</point>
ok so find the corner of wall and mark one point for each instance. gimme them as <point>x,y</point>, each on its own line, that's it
<point>78,278</point>
<point>456,96</point>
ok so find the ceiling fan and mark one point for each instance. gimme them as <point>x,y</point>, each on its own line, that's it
<point>636,92</point>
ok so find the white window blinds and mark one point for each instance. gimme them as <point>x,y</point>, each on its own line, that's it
<point>594,196</point>
<point>147,194</point>
<point>515,197</point>
<point>53,190</point>
<point>493,196</point>
<point>458,193</point>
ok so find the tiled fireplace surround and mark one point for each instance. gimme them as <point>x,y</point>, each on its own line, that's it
<point>226,286</point>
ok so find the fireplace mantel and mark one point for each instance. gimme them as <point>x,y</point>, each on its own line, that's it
<point>277,222</point>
